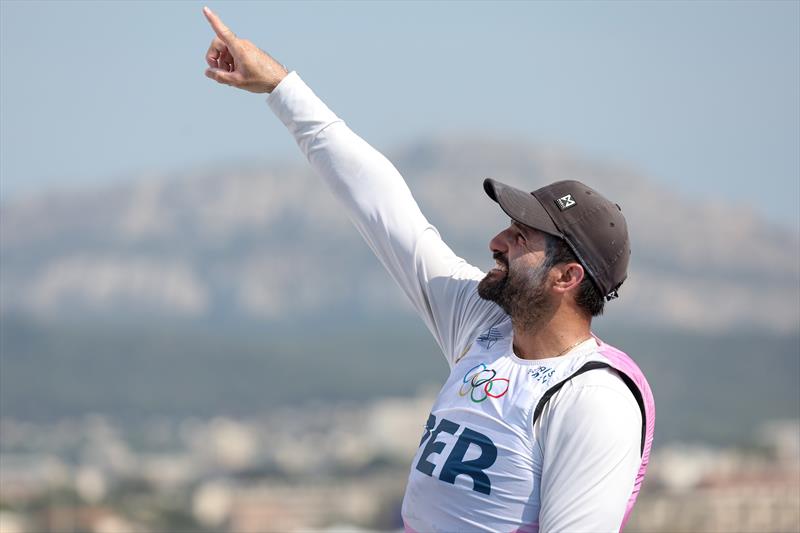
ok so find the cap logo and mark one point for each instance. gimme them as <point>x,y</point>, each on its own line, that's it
<point>565,202</point>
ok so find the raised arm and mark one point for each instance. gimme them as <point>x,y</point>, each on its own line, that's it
<point>440,285</point>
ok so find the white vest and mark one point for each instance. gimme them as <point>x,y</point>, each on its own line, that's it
<point>478,466</point>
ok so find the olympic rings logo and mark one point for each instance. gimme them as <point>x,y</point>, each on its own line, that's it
<point>480,383</point>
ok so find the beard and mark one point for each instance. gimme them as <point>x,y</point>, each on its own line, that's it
<point>521,293</point>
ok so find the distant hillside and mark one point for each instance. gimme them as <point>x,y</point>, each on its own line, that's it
<point>707,388</point>
<point>230,290</point>
<point>261,243</point>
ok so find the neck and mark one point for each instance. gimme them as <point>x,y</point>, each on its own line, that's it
<point>554,336</point>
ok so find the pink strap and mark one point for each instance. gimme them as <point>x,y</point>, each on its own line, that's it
<point>622,363</point>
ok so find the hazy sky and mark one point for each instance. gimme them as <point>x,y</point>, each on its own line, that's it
<point>703,96</point>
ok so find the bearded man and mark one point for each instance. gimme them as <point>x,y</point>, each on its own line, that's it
<point>540,425</point>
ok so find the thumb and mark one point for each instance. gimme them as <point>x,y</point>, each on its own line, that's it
<point>222,76</point>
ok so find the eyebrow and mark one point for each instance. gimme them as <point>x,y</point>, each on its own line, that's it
<point>519,226</point>
<point>526,231</point>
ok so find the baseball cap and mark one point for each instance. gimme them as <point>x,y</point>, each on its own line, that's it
<point>592,226</point>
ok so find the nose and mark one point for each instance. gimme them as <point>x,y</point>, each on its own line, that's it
<point>499,243</point>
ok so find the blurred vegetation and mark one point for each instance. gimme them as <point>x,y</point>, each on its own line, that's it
<point>708,387</point>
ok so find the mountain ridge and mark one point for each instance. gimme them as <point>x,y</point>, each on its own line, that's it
<point>261,242</point>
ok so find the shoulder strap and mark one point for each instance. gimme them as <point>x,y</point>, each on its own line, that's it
<point>592,365</point>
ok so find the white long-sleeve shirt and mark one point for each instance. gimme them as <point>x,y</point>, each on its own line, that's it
<point>483,464</point>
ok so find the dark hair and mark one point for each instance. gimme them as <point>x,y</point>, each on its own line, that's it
<point>588,296</point>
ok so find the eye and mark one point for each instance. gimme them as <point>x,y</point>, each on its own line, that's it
<point>520,237</point>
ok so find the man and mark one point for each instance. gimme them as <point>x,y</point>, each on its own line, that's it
<point>540,426</point>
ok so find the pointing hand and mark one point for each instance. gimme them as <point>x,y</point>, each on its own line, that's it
<point>238,62</point>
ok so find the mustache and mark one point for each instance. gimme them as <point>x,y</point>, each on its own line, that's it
<point>498,256</point>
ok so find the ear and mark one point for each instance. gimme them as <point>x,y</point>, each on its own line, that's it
<point>568,276</point>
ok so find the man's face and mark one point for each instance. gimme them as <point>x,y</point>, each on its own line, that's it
<point>519,281</point>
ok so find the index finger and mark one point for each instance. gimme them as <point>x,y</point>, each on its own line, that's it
<point>220,29</point>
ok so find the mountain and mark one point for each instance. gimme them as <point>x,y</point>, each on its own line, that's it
<point>233,289</point>
<point>263,242</point>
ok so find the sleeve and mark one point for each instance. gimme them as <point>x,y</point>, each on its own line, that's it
<point>441,286</point>
<point>590,437</point>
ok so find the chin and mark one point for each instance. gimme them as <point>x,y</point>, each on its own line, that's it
<point>492,285</point>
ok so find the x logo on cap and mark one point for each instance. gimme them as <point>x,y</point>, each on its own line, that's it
<point>565,202</point>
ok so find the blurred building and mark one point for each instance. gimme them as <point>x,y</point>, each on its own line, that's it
<point>697,488</point>
<point>329,467</point>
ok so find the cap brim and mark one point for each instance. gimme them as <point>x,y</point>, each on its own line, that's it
<point>522,206</point>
